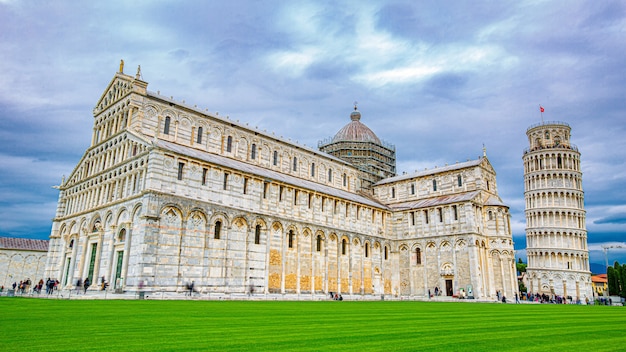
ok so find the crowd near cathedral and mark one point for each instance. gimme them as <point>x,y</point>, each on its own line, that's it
<point>168,194</point>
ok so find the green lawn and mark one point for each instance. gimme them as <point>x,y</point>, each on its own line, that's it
<point>151,325</point>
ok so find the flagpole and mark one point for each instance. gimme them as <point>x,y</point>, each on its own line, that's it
<point>541,112</point>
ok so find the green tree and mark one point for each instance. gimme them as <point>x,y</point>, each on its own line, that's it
<point>522,287</point>
<point>622,280</point>
<point>612,280</point>
<point>521,266</point>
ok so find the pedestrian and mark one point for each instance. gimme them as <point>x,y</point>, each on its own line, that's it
<point>87,284</point>
<point>190,288</point>
<point>79,285</point>
<point>51,284</point>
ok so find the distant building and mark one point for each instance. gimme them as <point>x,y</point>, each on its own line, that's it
<point>556,237</point>
<point>167,194</point>
<point>599,284</point>
<point>22,259</point>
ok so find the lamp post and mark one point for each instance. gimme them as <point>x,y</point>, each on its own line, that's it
<point>606,252</point>
<point>606,260</point>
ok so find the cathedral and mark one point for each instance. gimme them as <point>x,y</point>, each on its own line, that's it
<point>168,194</point>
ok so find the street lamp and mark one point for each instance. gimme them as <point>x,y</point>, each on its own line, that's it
<point>606,252</point>
<point>606,260</point>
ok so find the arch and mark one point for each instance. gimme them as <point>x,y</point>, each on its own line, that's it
<point>447,269</point>
<point>239,221</point>
<point>344,245</point>
<point>319,241</point>
<point>122,216</point>
<point>277,226</point>
<point>291,238</point>
<point>95,224</point>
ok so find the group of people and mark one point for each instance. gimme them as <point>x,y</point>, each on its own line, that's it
<point>544,298</point>
<point>24,286</point>
<point>82,285</point>
<point>335,296</point>
<point>437,292</point>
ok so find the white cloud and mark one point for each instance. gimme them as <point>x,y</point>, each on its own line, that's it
<point>437,90</point>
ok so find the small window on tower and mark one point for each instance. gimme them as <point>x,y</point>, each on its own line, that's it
<point>199,137</point>
<point>290,239</point>
<point>204,172</point>
<point>229,144</point>
<point>257,234</point>
<point>166,129</point>
<point>217,230</point>
<point>180,170</point>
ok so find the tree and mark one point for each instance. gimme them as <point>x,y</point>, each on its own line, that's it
<point>612,282</point>
<point>622,281</point>
<point>616,277</point>
<point>521,266</point>
<point>522,287</point>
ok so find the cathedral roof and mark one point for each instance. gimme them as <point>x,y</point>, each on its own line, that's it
<point>265,173</point>
<point>24,244</point>
<point>435,201</point>
<point>457,166</point>
<point>356,131</point>
<point>495,201</point>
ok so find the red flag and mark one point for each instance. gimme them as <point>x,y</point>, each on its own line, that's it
<point>541,108</point>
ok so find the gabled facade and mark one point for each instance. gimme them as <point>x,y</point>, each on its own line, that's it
<point>168,194</point>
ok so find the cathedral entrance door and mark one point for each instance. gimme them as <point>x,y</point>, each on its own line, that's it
<point>449,287</point>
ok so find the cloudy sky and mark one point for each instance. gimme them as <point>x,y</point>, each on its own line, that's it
<point>437,79</point>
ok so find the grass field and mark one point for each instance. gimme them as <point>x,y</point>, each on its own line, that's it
<point>150,325</point>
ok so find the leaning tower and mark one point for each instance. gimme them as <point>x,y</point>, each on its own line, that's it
<point>556,238</point>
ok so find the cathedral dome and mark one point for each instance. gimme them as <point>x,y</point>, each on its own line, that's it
<point>356,131</point>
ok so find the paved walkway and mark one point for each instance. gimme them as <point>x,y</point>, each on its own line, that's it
<point>182,295</point>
